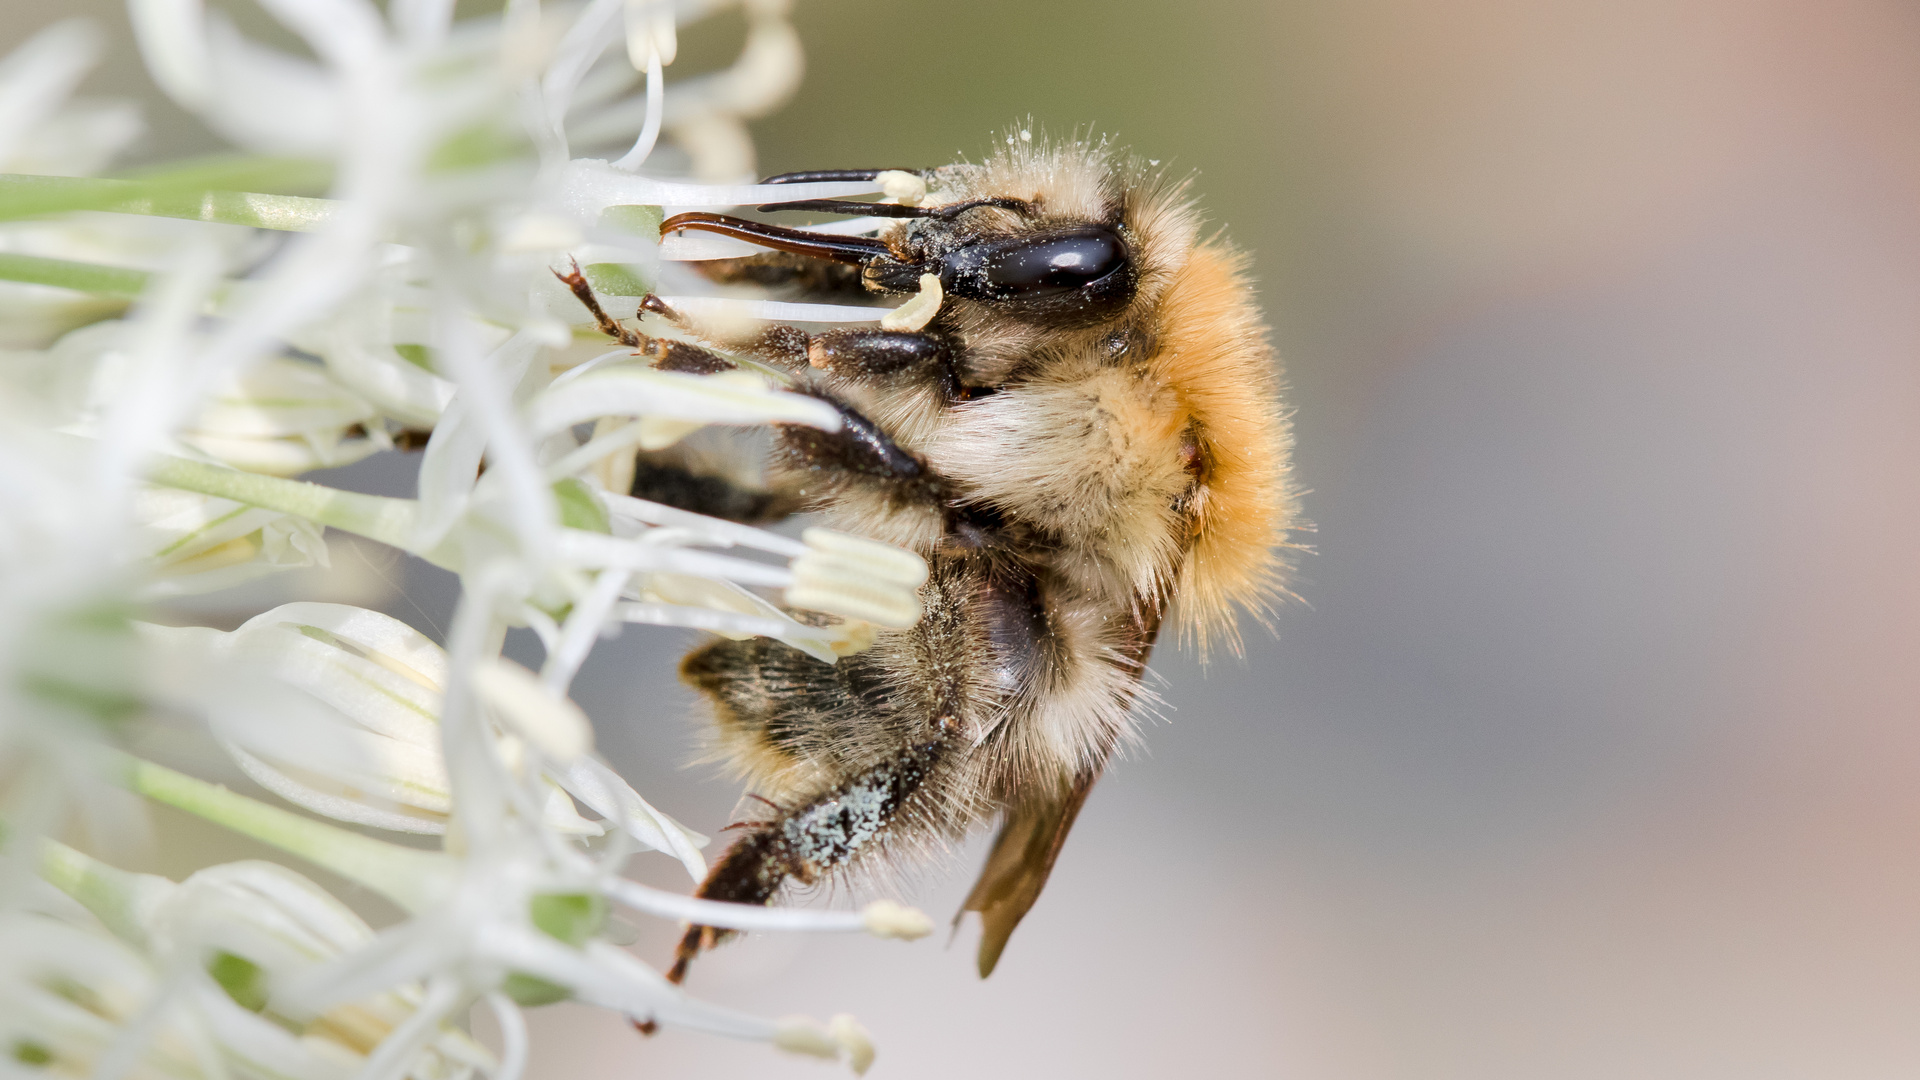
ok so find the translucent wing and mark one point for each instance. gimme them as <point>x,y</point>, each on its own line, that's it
<point>1022,858</point>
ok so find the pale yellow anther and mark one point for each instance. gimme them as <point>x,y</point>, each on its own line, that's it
<point>916,313</point>
<point>852,637</point>
<point>902,187</point>
<point>801,1035</point>
<point>650,29</point>
<point>854,1039</point>
<point>883,561</point>
<point>545,719</point>
<point>887,919</point>
<point>857,578</point>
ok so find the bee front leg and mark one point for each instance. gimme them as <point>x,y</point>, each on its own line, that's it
<point>866,355</point>
<point>806,844</point>
<point>888,358</point>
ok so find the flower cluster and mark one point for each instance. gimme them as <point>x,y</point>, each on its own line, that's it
<point>369,269</point>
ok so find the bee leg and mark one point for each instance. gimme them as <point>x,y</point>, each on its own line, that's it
<point>818,281</point>
<point>662,480</point>
<point>887,357</point>
<point>583,292</point>
<point>861,456</point>
<point>777,345</point>
<point>666,355</point>
<point>810,842</point>
<point>815,176</point>
<point>865,355</point>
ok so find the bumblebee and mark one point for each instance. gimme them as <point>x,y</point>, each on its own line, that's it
<point>1084,440</point>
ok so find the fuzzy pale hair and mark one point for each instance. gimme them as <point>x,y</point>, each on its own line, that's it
<point>1213,352</point>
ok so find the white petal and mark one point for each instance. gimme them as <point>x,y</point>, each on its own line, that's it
<point>610,796</point>
<point>552,722</point>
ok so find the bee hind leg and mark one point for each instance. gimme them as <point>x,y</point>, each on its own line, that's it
<point>807,843</point>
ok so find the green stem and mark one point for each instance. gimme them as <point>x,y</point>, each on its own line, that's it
<point>376,517</point>
<point>79,276</point>
<point>409,877</point>
<point>195,194</point>
<point>112,894</point>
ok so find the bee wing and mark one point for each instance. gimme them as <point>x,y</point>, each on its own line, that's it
<point>1022,858</point>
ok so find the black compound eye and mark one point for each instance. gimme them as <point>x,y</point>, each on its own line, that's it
<point>1060,264</point>
<point>1086,268</point>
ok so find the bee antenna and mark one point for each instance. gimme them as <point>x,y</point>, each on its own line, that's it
<point>829,176</point>
<point>857,250</point>
<point>895,210</point>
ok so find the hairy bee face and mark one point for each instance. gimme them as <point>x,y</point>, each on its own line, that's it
<point>1082,438</point>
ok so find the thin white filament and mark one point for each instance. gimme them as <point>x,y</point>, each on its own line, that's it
<point>392,1059</point>
<point>773,310</point>
<point>699,618</point>
<point>422,24</point>
<point>650,131</point>
<point>625,436</point>
<point>722,531</point>
<point>588,549</point>
<point>582,629</point>
<point>728,916</point>
<point>513,1037</point>
<point>585,40</point>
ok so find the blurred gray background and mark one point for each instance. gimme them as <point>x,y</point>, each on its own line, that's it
<point>1595,750</point>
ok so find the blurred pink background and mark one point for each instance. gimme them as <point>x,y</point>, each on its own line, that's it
<point>1597,753</point>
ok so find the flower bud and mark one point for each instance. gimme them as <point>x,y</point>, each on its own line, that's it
<point>249,927</point>
<point>284,417</point>
<point>67,994</point>
<point>367,749</point>
<point>199,543</point>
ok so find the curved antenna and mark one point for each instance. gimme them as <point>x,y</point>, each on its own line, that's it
<point>855,250</point>
<point>816,176</point>
<point>894,210</point>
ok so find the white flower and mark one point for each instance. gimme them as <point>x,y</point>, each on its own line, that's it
<point>195,543</point>
<point>368,750</point>
<point>216,948</point>
<point>68,996</point>
<point>422,285</point>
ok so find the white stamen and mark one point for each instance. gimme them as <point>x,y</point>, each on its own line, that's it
<point>728,916</point>
<point>656,106</point>
<point>513,1036</point>
<point>731,398</point>
<point>551,722</point>
<point>172,39</point>
<point>857,578</point>
<point>590,186</point>
<point>716,307</point>
<point>540,233</point>
<point>37,76</point>
<point>884,561</point>
<point>722,531</point>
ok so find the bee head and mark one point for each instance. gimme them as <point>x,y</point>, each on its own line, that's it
<point>1062,274</point>
<point>1051,235</point>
